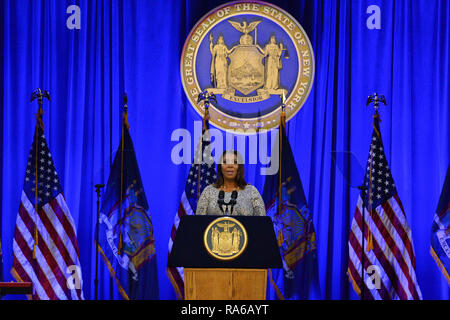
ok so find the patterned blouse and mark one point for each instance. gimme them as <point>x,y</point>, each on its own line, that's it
<point>248,202</point>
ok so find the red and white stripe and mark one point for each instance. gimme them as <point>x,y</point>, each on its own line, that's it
<point>392,252</point>
<point>57,249</point>
<point>177,274</point>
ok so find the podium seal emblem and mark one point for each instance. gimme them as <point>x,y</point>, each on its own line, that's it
<point>250,54</point>
<point>225,238</point>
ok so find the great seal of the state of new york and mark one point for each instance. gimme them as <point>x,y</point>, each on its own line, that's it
<point>251,55</point>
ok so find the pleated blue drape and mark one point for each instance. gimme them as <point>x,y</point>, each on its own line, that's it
<point>135,46</point>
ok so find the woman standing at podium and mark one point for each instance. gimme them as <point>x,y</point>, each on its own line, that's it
<point>231,194</point>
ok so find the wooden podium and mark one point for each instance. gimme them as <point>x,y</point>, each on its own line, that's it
<point>208,278</point>
<point>225,284</point>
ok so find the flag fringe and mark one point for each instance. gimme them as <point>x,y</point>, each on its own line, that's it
<point>440,265</point>
<point>175,285</point>
<point>112,272</point>
<point>354,283</point>
<point>275,287</point>
<point>19,279</point>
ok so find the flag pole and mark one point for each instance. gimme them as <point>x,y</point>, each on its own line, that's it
<point>204,96</point>
<point>124,124</point>
<point>280,151</point>
<point>375,99</point>
<point>280,198</point>
<point>97,190</point>
<point>40,95</point>
<point>376,118</point>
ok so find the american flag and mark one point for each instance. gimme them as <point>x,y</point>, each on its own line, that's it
<point>389,262</point>
<point>45,247</point>
<point>201,174</point>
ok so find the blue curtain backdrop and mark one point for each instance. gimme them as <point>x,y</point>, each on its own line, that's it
<point>135,46</point>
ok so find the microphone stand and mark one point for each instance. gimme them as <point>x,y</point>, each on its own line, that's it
<point>232,202</point>
<point>97,189</point>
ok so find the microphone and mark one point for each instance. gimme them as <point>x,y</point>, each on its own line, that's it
<point>220,200</point>
<point>232,202</point>
<point>98,186</point>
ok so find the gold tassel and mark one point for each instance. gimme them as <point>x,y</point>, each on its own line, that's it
<point>280,238</point>
<point>35,241</point>
<point>125,120</point>
<point>120,243</point>
<point>39,121</point>
<point>369,241</point>
<point>283,118</point>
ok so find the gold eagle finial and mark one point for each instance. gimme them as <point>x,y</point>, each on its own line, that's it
<point>244,28</point>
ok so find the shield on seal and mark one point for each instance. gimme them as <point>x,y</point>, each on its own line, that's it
<point>246,71</point>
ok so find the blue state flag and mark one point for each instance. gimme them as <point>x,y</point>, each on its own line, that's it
<point>294,229</point>
<point>440,230</point>
<point>126,238</point>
